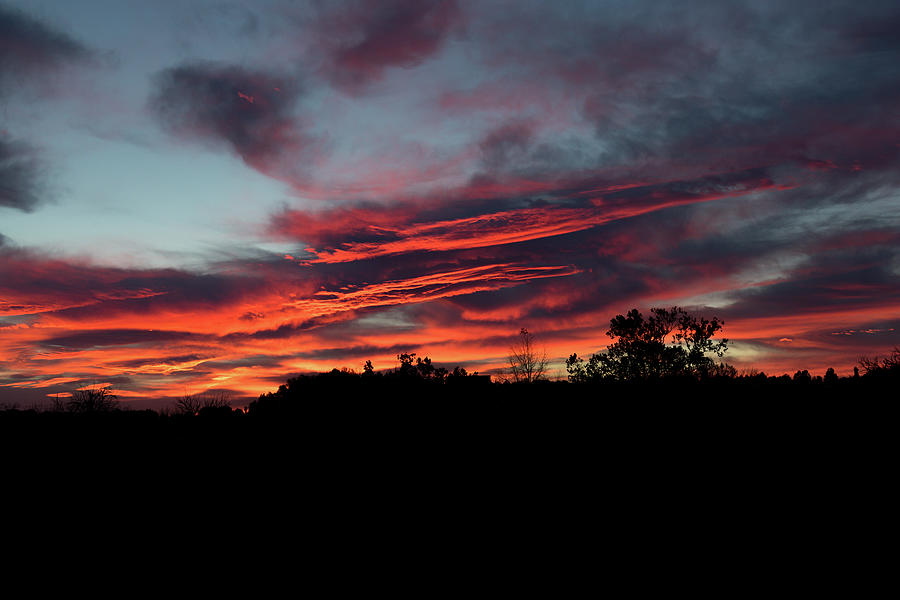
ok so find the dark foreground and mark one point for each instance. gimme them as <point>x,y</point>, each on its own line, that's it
<point>616,418</point>
<point>716,486</point>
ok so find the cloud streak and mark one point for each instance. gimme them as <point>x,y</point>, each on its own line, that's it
<point>595,206</point>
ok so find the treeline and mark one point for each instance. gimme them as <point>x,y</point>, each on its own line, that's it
<point>715,379</point>
<point>413,377</point>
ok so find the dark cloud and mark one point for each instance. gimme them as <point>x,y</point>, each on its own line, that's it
<point>373,35</point>
<point>251,112</point>
<point>21,181</point>
<point>836,282</point>
<point>258,360</point>
<point>31,52</point>
<point>718,87</point>
<point>356,354</point>
<point>165,360</point>
<point>29,48</point>
<point>880,333</point>
<point>284,331</point>
<point>505,144</point>
<point>222,19</point>
<point>120,337</point>
<point>760,95</point>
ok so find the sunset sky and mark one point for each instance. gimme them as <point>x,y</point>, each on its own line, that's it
<point>202,195</point>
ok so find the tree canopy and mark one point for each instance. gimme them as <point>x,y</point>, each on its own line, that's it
<point>669,342</point>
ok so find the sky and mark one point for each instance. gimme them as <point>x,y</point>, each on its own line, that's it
<point>218,195</point>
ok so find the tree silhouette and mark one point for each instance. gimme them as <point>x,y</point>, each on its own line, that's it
<point>526,363</point>
<point>802,376</point>
<point>670,342</point>
<point>881,367</point>
<point>189,404</point>
<point>92,400</point>
<point>418,369</point>
<point>196,404</point>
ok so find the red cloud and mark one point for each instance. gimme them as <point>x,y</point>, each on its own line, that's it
<point>392,232</point>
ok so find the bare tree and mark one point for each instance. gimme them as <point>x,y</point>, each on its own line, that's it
<point>92,400</point>
<point>58,405</point>
<point>881,366</point>
<point>189,404</point>
<point>192,404</point>
<point>526,363</point>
